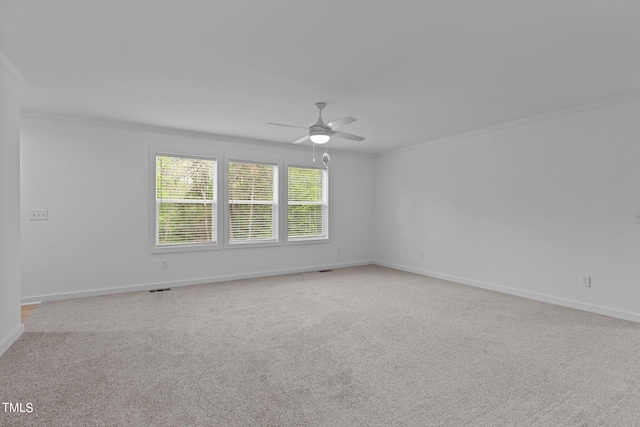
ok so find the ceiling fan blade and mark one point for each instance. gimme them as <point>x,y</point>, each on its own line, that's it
<point>340,122</point>
<point>347,136</point>
<point>303,139</point>
<point>288,126</point>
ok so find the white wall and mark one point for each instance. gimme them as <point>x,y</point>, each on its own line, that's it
<point>525,209</point>
<point>94,181</point>
<point>10,327</point>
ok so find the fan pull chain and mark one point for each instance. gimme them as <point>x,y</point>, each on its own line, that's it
<point>313,149</point>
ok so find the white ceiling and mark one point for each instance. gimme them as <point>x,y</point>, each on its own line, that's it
<point>410,71</point>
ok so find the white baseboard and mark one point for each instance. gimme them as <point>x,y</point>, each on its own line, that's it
<point>203,280</point>
<point>634,317</point>
<point>10,339</point>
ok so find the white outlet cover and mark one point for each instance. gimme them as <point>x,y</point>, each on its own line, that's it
<point>636,216</point>
<point>585,281</point>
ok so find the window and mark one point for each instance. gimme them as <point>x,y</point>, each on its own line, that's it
<point>307,204</point>
<point>253,202</point>
<point>185,202</point>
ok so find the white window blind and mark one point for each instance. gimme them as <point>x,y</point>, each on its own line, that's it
<point>253,202</point>
<point>186,200</point>
<point>307,203</point>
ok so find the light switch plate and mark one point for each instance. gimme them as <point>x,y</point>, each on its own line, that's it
<point>38,214</point>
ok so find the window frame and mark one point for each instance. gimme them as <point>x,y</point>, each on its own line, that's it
<point>277,223</point>
<point>153,206</point>
<point>327,197</point>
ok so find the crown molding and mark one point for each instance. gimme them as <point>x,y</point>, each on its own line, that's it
<point>11,71</point>
<point>607,102</point>
<point>140,127</point>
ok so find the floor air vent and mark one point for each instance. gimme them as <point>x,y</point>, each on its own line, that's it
<point>324,271</point>
<point>160,290</point>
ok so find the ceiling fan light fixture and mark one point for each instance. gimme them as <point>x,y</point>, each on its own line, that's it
<point>319,136</point>
<point>320,139</point>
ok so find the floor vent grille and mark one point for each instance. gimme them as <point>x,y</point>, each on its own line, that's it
<point>160,290</point>
<point>324,271</point>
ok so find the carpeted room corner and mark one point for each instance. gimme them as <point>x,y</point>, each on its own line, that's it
<point>355,346</point>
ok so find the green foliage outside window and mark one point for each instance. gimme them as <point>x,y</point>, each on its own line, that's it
<point>186,201</point>
<point>185,197</point>
<point>252,202</point>
<point>307,202</point>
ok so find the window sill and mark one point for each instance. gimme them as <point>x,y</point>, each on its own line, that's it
<point>184,248</point>
<point>252,244</point>
<point>307,241</point>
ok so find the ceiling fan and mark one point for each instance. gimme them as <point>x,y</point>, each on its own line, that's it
<point>321,132</point>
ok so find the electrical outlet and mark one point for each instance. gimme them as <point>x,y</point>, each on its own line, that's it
<point>38,214</point>
<point>585,281</point>
<point>164,264</point>
<point>420,255</point>
<point>636,216</point>
<point>339,251</point>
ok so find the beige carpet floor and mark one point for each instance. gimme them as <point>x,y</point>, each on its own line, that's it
<point>365,346</point>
